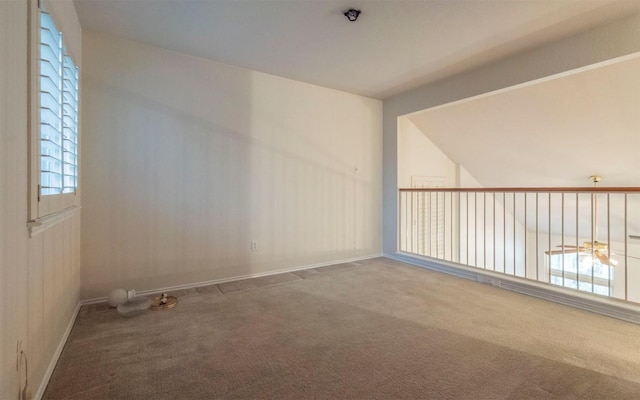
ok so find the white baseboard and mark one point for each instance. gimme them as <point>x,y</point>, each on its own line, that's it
<point>56,355</point>
<point>236,278</point>
<point>604,306</point>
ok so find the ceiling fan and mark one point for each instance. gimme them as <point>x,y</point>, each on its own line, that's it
<point>597,250</point>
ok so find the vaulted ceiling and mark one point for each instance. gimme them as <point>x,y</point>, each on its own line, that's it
<point>394,46</point>
<point>556,132</point>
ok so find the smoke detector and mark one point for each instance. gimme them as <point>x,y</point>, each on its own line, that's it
<point>352,14</point>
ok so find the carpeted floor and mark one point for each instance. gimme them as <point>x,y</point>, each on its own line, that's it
<point>375,329</point>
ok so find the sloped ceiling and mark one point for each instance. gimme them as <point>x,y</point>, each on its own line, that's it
<point>394,46</point>
<point>556,132</point>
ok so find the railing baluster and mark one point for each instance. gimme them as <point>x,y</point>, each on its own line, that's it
<point>424,226</point>
<point>504,232</point>
<point>406,225</point>
<point>467,228</point>
<point>424,217</point>
<point>626,252</point>
<point>594,228</point>
<point>422,248</point>
<point>427,222</point>
<point>422,229</point>
<point>400,222</point>
<point>494,232</point>
<point>431,245</point>
<point>525,235</point>
<point>451,227</point>
<point>484,230</point>
<point>562,232</point>
<point>609,244</point>
<point>437,225</point>
<point>514,234</point>
<point>548,270</point>
<point>577,242</point>
<point>537,238</point>
<point>475,229</point>
<point>459,228</point>
<point>412,223</point>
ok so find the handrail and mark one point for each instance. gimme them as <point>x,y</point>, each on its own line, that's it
<point>600,189</point>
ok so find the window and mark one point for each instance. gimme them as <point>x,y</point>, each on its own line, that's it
<point>582,272</point>
<point>58,113</point>
<point>54,122</point>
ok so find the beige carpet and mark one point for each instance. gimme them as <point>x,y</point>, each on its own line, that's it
<point>376,329</point>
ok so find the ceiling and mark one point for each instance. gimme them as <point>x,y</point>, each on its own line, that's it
<point>394,46</point>
<point>556,132</point>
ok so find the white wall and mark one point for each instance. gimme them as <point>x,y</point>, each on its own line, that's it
<point>418,156</point>
<point>601,43</point>
<point>39,277</point>
<point>186,161</point>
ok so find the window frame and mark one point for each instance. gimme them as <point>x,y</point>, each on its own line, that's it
<point>578,276</point>
<point>45,210</point>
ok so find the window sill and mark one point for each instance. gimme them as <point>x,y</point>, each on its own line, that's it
<point>40,225</point>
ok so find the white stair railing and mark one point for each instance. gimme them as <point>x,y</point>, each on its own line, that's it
<point>585,239</point>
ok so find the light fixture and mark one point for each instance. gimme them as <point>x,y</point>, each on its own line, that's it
<point>598,249</point>
<point>352,14</point>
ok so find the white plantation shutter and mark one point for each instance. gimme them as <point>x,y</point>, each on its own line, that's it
<point>69,125</point>
<point>429,212</point>
<point>58,113</point>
